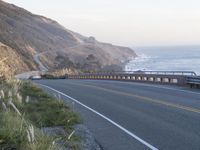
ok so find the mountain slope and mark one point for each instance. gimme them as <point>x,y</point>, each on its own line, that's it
<point>30,34</point>
<point>10,61</point>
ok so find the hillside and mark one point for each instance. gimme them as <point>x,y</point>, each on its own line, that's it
<point>10,61</point>
<point>28,34</point>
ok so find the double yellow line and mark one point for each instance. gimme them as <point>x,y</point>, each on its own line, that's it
<point>143,98</point>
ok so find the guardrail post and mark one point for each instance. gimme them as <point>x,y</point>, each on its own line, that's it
<point>133,77</point>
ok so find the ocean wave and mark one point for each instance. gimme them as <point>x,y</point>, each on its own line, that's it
<point>179,59</point>
<point>137,63</point>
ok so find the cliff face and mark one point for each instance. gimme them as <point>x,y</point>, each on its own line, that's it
<point>28,34</point>
<point>10,61</point>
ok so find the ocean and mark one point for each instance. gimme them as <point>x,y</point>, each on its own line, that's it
<point>176,58</point>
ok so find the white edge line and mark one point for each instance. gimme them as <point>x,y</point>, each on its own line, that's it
<point>106,118</point>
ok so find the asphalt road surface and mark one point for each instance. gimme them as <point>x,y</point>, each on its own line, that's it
<point>134,116</point>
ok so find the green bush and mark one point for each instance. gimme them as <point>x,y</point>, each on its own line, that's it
<point>46,111</point>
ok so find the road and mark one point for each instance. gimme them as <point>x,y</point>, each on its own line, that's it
<point>134,116</point>
<point>40,64</point>
<point>38,55</point>
<point>41,67</point>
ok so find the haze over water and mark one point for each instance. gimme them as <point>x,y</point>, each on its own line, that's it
<point>177,58</point>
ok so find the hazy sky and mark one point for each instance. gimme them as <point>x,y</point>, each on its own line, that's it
<point>125,22</point>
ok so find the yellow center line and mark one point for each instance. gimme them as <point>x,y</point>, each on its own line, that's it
<point>143,98</point>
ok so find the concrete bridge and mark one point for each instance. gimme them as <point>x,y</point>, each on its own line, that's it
<point>181,78</point>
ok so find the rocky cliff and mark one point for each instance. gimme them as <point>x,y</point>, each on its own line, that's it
<point>28,34</point>
<point>10,61</point>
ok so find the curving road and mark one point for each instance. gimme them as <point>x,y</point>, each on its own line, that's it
<point>133,116</point>
<point>38,55</point>
<point>40,64</point>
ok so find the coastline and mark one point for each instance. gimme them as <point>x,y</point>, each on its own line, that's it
<point>166,59</point>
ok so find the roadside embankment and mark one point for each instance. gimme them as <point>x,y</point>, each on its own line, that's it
<point>25,110</point>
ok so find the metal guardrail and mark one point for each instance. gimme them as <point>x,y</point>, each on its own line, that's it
<point>193,81</point>
<point>160,77</point>
<point>184,73</point>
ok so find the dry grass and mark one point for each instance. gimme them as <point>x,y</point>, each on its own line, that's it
<point>16,130</point>
<point>24,109</point>
<point>63,72</point>
<point>5,73</point>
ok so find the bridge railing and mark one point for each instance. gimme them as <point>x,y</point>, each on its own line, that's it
<point>161,77</point>
<point>187,73</point>
<point>193,81</point>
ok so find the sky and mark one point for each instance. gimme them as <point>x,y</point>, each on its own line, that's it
<point>125,22</point>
